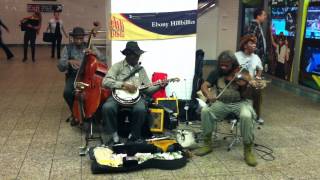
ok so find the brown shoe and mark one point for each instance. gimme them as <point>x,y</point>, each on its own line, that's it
<point>206,148</point>
<point>249,156</point>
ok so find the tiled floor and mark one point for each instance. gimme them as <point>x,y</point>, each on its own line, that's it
<point>36,142</point>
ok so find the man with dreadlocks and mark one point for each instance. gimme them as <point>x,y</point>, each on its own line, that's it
<point>233,100</point>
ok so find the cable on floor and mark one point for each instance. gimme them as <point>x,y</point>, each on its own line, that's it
<point>264,152</point>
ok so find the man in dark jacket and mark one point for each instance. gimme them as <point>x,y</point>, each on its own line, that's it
<point>255,27</point>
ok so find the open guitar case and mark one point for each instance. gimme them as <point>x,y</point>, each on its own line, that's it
<point>133,165</point>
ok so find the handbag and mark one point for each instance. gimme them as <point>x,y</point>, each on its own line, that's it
<point>23,25</point>
<point>48,36</point>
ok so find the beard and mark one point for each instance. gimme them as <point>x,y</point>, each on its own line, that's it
<point>132,62</point>
<point>225,72</point>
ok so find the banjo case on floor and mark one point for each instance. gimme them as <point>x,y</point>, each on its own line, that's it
<point>132,165</point>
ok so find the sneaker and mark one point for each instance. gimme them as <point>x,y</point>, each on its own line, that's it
<point>73,122</point>
<point>133,140</point>
<point>115,137</point>
<point>260,121</point>
<point>69,118</point>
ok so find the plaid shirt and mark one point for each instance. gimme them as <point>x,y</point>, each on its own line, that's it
<point>71,51</point>
<point>256,29</point>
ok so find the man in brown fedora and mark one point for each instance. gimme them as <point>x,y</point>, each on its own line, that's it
<point>71,58</point>
<point>251,62</point>
<point>127,75</point>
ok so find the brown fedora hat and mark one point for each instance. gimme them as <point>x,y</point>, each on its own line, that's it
<point>245,39</point>
<point>78,31</point>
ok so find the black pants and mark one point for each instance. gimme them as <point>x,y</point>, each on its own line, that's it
<point>56,43</point>
<point>257,101</point>
<point>280,70</point>
<point>110,111</point>
<point>29,36</point>
<point>68,93</point>
<point>6,49</point>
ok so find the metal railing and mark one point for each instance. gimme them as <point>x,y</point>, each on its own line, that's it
<point>102,40</point>
<point>205,5</point>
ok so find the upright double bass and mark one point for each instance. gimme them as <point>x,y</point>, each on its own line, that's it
<point>89,93</point>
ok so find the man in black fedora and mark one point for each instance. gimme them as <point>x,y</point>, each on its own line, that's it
<point>71,58</point>
<point>127,75</point>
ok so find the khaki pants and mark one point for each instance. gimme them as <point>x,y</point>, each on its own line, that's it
<point>219,110</point>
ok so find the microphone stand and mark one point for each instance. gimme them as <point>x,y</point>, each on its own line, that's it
<point>186,105</point>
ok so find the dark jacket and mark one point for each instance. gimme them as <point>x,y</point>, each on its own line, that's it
<point>254,28</point>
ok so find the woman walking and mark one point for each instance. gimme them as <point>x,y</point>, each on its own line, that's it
<point>56,26</point>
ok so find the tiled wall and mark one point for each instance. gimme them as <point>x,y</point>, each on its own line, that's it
<point>217,29</point>
<point>75,13</point>
<point>228,25</point>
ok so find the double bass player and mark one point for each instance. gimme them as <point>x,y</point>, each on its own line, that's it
<point>71,58</point>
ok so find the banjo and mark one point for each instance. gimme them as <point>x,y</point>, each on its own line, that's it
<point>126,98</point>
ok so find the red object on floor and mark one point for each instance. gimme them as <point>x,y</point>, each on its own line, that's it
<point>161,93</point>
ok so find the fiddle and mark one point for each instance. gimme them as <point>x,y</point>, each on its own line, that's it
<point>243,78</point>
<point>240,76</point>
<point>235,76</point>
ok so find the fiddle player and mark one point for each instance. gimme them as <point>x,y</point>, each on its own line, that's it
<point>233,100</point>
<point>251,62</point>
<point>136,76</point>
<point>72,56</point>
<point>31,26</point>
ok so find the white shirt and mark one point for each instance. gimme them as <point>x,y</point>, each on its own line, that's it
<point>251,62</point>
<point>283,54</point>
<point>53,24</point>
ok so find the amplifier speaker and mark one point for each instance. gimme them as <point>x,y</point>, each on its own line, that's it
<point>170,103</point>
<point>158,120</point>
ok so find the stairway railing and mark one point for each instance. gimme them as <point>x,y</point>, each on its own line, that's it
<point>205,5</point>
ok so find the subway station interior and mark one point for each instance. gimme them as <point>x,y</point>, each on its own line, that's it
<point>147,89</point>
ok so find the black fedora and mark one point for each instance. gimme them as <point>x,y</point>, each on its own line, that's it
<point>78,31</point>
<point>132,47</point>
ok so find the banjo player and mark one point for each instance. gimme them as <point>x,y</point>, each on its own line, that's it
<point>127,75</point>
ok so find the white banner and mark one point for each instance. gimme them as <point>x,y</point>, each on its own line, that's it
<point>176,57</point>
